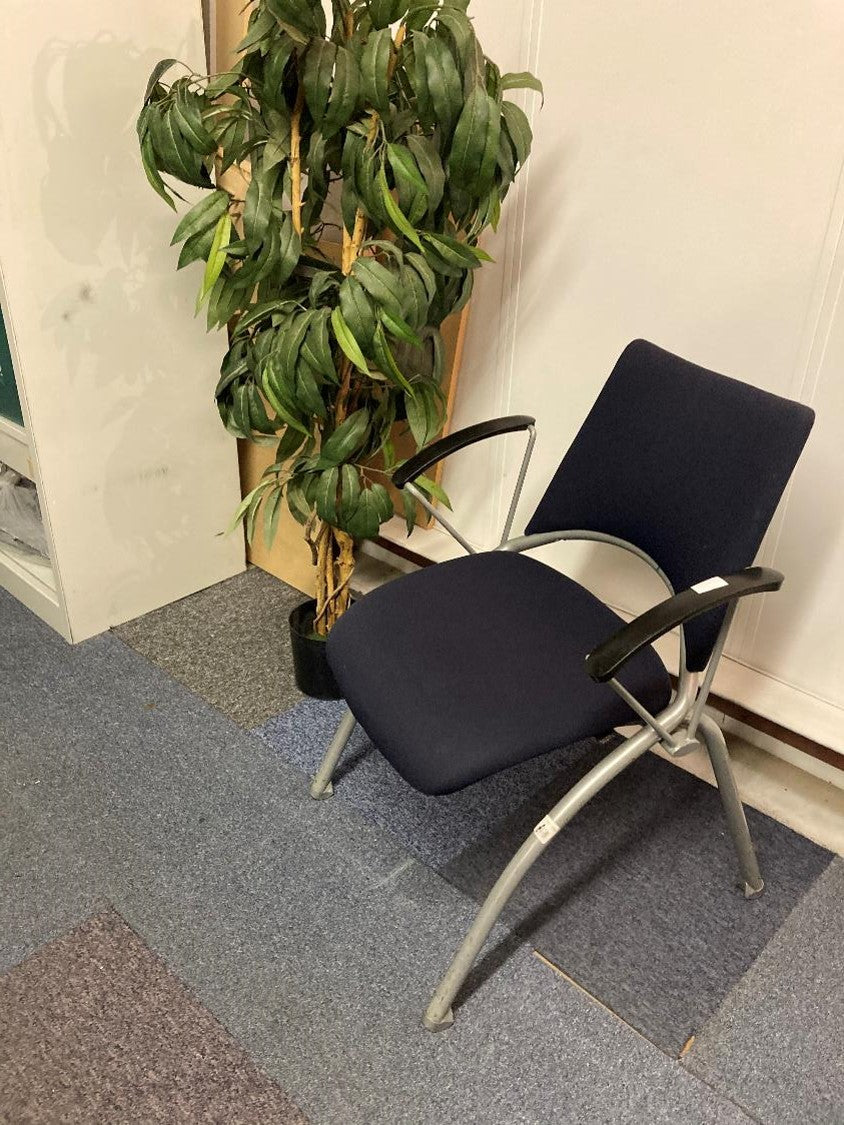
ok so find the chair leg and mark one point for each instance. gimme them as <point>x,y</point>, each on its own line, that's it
<point>719,756</point>
<point>439,1015</point>
<point>321,786</point>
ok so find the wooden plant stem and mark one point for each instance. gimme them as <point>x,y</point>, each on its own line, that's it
<point>336,550</point>
<point>296,160</point>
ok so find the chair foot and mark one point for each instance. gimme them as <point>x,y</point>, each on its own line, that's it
<point>442,1023</point>
<point>754,892</point>
<point>321,786</point>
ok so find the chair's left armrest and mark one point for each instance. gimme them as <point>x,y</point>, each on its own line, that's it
<point>604,661</point>
<point>445,446</point>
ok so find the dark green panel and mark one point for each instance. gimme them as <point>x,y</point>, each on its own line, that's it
<point>10,406</point>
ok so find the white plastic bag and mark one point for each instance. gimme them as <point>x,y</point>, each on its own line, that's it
<point>20,514</point>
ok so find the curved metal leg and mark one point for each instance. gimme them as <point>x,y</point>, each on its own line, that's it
<point>439,1015</point>
<point>733,809</point>
<point>321,786</point>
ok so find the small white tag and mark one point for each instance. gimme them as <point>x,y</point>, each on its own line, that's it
<point>710,584</point>
<point>546,830</point>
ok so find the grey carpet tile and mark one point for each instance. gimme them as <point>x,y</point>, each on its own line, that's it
<point>638,900</point>
<point>94,1027</point>
<point>434,829</point>
<point>775,1043</point>
<point>309,933</point>
<point>229,643</point>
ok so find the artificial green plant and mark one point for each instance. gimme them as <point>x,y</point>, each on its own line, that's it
<point>376,152</point>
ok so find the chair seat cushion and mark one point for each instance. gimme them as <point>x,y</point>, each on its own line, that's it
<point>468,667</point>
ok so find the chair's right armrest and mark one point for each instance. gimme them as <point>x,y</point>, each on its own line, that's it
<point>604,661</point>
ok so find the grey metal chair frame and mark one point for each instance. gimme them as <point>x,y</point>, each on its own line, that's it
<point>675,728</point>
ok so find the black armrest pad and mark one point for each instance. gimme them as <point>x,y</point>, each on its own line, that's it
<point>604,661</point>
<point>449,444</point>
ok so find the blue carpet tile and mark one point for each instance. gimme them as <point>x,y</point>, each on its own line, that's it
<point>310,933</point>
<point>637,900</point>
<point>434,829</point>
<point>776,1040</point>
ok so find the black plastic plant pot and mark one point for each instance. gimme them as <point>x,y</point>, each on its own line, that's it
<point>310,660</point>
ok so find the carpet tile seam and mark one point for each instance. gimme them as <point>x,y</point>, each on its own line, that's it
<point>175,679</point>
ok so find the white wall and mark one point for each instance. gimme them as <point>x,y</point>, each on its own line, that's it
<point>137,475</point>
<point>684,187</point>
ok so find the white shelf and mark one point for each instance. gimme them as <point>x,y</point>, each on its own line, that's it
<point>31,580</point>
<point>14,448</point>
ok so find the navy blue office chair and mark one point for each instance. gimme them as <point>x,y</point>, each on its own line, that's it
<point>681,466</point>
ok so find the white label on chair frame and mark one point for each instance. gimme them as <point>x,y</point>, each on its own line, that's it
<point>709,584</point>
<point>546,830</point>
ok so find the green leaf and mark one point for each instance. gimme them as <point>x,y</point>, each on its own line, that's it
<point>345,91</point>
<point>326,495</point>
<point>474,149</point>
<point>433,489</point>
<point>422,414</point>
<point>375,69</point>
<point>425,273</point>
<point>261,25</point>
<point>409,503</point>
<point>279,406</point>
<point>373,508</point>
<point>522,80</point>
<point>221,83</point>
<point>386,361</point>
<point>158,71</point>
<point>431,167</point>
<point>202,215</point>
<point>417,73</point>
<point>257,207</point>
<point>444,84</point>
<point>289,250</point>
<point>347,342</point>
<point>419,12</point>
<point>272,511</point>
<point>316,76</point>
<point>413,191</point>
<point>256,412</point>
<point>349,491</point>
<point>252,513</point>
<point>288,345</point>
<point>246,502</point>
<point>305,16</point>
<point>289,444</point>
<point>188,116</point>
<point>518,130</point>
<point>397,220</point>
<point>381,283</point>
<point>317,346</point>
<point>399,328</point>
<point>151,171</point>
<point>307,390</point>
<point>358,312</point>
<point>346,440</point>
<point>296,502</point>
<point>384,12</point>
<point>263,310</point>
<point>458,254</point>
<point>216,259</point>
<point>460,28</point>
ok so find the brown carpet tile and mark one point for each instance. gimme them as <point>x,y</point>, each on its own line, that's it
<point>95,1028</point>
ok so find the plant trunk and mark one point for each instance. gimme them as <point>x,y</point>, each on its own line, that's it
<point>335,563</point>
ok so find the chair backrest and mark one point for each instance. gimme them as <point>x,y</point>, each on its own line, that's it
<point>686,464</point>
